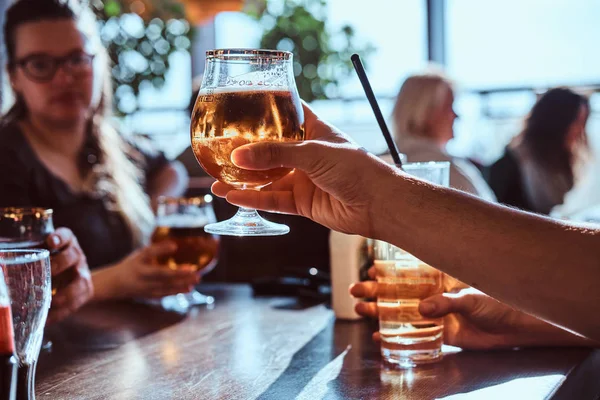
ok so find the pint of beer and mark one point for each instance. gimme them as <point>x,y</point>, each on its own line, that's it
<point>403,281</point>
<point>182,221</point>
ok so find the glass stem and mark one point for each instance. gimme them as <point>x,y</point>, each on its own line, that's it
<point>243,212</point>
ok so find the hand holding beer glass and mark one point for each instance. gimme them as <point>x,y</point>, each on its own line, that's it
<point>247,96</point>
<point>408,338</point>
<point>29,228</point>
<point>182,221</point>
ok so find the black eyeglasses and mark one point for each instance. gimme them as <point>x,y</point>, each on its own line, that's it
<point>42,67</point>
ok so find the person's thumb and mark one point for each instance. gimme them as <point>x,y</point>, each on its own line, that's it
<point>440,305</point>
<point>162,248</point>
<point>267,155</point>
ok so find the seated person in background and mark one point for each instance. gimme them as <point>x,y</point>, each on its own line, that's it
<point>582,202</point>
<point>542,163</point>
<point>423,119</point>
<point>58,150</point>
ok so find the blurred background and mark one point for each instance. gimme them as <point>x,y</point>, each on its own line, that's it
<point>501,53</point>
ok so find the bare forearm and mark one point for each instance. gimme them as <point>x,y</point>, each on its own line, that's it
<point>104,281</point>
<point>534,332</point>
<point>546,268</point>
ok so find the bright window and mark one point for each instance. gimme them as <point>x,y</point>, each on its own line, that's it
<point>397,29</point>
<point>523,43</point>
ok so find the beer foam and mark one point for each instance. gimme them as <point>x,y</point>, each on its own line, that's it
<point>244,89</point>
<point>183,221</point>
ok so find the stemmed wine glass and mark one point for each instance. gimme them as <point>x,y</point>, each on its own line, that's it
<point>247,96</point>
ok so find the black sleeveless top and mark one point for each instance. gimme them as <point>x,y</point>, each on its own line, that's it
<point>504,177</point>
<point>25,181</point>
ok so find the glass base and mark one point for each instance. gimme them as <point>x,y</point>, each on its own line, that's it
<point>409,358</point>
<point>183,301</point>
<point>195,298</point>
<point>247,222</point>
<point>46,344</point>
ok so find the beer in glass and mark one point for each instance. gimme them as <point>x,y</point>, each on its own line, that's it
<point>408,338</point>
<point>182,221</point>
<point>246,96</point>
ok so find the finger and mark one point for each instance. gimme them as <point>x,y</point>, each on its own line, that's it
<point>72,297</point>
<point>157,288</point>
<point>377,337</point>
<point>60,238</point>
<point>284,184</point>
<point>162,292</point>
<point>57,315</point>
<point>83,270</point>
<point>221,189</point>
<point>163,274</point>
<point>189,267</point>
<point>266,155</point>
<point>316,128</point>
<point>364,289</point>
<point>168,276</point>
<point>282,202</point>
<point>163,248</point>
<point>440,305</point>
<point>311,122</point>
<point>66,258</point>
<point>174,284</point>
<point>367,309</point>
<point>78,272</point>
<point>372,273</point>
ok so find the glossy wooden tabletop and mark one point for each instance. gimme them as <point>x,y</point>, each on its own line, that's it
<point>278,348</point>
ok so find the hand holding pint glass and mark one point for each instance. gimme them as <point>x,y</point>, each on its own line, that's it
<point>247,96</point>
<point>33,228</point>
<point>408,338</point>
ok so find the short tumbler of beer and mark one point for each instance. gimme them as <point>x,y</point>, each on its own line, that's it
<point>182,221</point>
<point>247,96</point>
<point>407,338</point>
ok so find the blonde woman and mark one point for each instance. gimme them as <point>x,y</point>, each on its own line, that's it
<point>58,150</point>
<point>423,119</point>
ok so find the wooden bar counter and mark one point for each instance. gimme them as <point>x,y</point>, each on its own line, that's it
<point>279,348</point>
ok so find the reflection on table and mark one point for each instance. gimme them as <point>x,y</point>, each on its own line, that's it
<point>278,348</point>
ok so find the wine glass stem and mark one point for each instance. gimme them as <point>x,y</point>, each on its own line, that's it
<point>246,213</point>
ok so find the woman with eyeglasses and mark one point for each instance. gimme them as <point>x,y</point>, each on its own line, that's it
<point>59,150</point>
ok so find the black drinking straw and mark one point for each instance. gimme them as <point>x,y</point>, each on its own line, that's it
<point>360,71</point>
